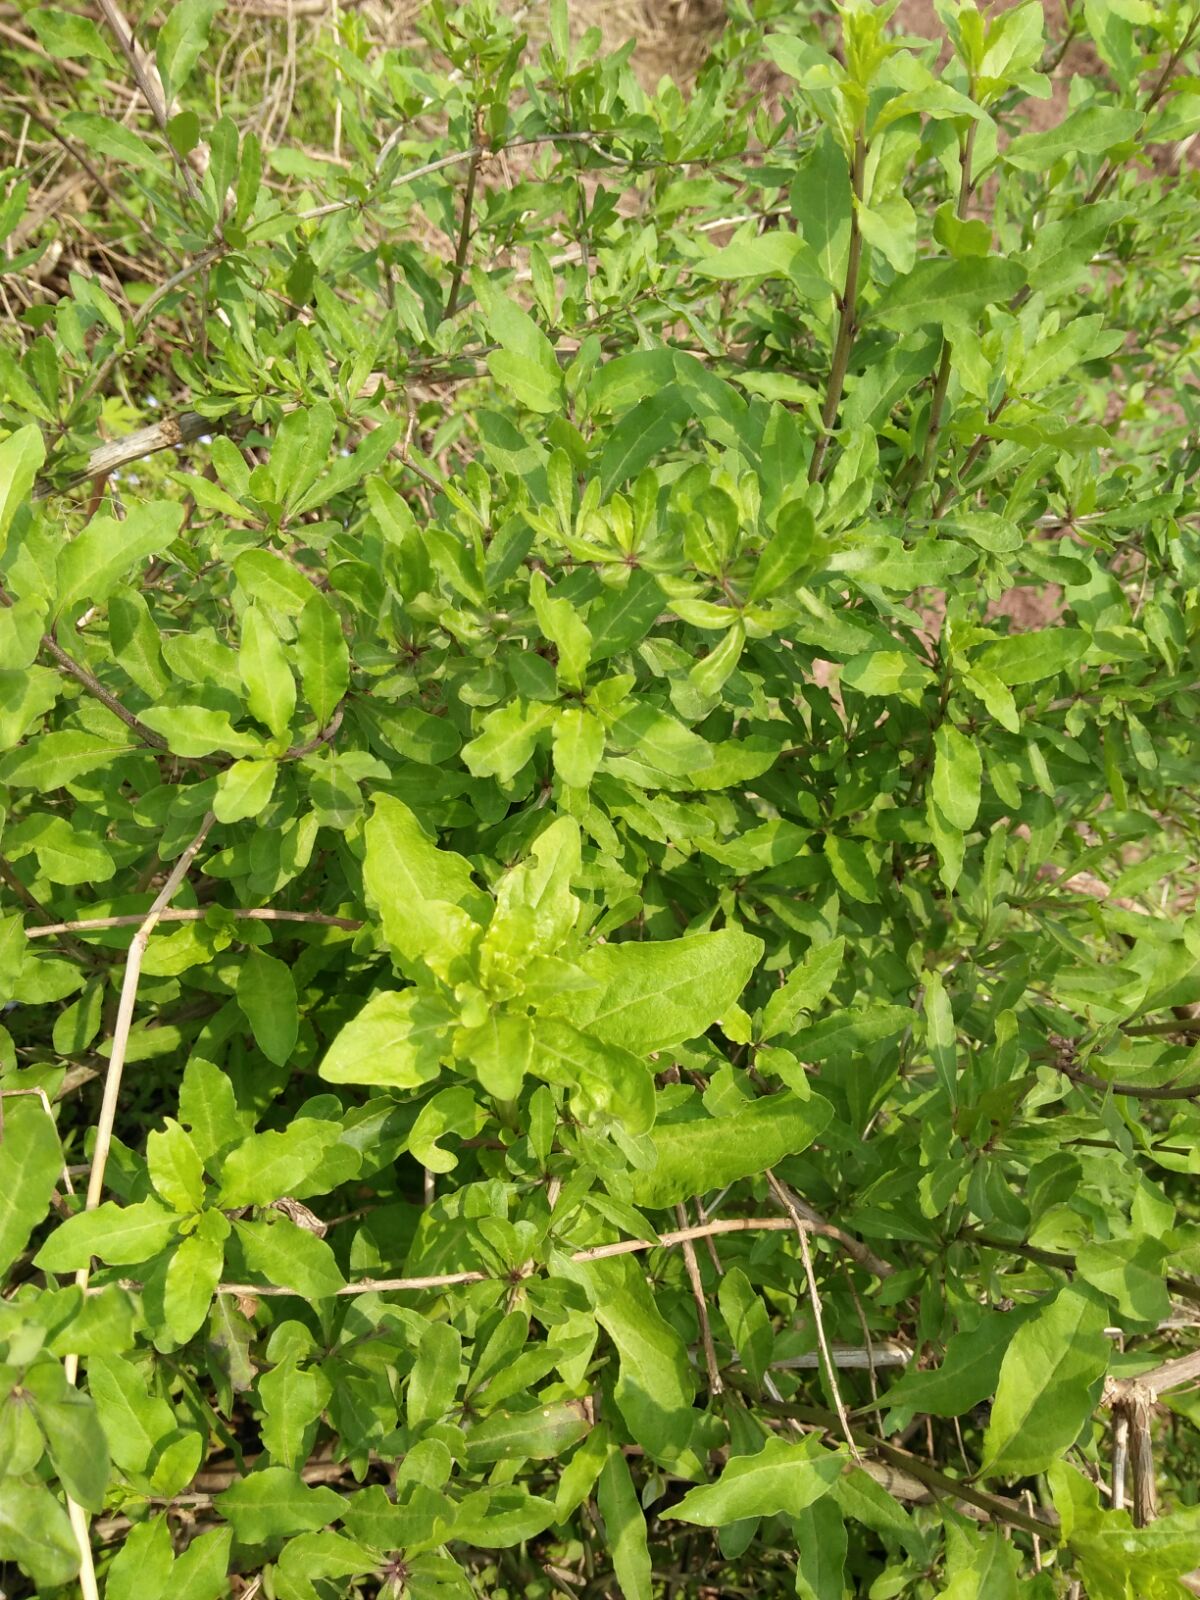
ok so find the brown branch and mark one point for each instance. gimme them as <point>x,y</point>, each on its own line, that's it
<point>1064,1263</point>
<point>256,914</point>
<point>464,232</point>
<point>105,696</point>
<point>847,324</point>
<point>715,1384</point>
<point>996,1506</point>
<point>297,751</point>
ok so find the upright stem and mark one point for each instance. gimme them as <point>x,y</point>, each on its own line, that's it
<point>942,383</point>
<point>464,232</point>
<point>847,322</point>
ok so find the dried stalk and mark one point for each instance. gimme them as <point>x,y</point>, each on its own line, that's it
<point>785,1198</point>
<point>104,1133</point>
<point>600,1252</point>
<point>256,914</point>
<point>715,1384</point>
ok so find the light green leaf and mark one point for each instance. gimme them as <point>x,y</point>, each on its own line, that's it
<point>397,1040</point>
<point>66,36</point>
<point>507,739</point>
<point>784,1477</point>
<point>182,40</point>
<point>274,1502</point>
<point>30,1165</point>
<point>196,731</point>
<point>34,1532</point>
<point>270,687</point>
<point>1047,1378</point>
<point>74,1438</point>
<point>293,1397</point>
<point>193,1273</point>
<point>176,1170</point>
<point>650,995</point>
<point>21,454</point>
<point>267,1166</point>
<point>98,559</point>
<point>244,790</point>
<point>266,993</point>
<point>54,759</point>
<point>625,1527</point>
<point>705,1153</point>
<point>806,986</point>
<point>428,903</point>
<point>606,1080</point>
<point>1086,131</point>
<point>289,1257</point>
<point>577,746</point>
<point>323,656</point>
<point>120,1235</point>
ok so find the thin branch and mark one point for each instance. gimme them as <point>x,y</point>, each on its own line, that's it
<point>847,321</point>
<point>785,1198</point>
<point>1064,1263</point>
<point>448,1280</point>
<point>104,1132</point>
<point>464,232</point>
<point>94,687</point>
<point>189,270</point>
<point>297,751</point>
<point>715,1384</point>
<point>996,1506</point>
<point>255,914</point>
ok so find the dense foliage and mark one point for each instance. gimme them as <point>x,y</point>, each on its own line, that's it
<point>643,644</point>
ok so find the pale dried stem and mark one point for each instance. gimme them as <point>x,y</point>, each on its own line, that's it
<point>715,1384</point>
<point>255,914</point>
<point>784,1196</point>
<point>448,1280</point>
<point>104,1133</point>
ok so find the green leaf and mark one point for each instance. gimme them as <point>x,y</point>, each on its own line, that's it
<point>981,1566</point>
<point>776,254</point>
<point>941,292</point>
<point>267,1166</point>
<point>323,657</point>
<point>270,687</point>
<point>625,1527</point>
<point>1030,657</point>
<point>1045,1394</point>
<point>853,869</point>
<point>428,903</point>
<point>606,1080</point>
<point>506,741</point>
<point>30,1165</point>
<point>176,1170</point>
<point>806,986</point>
<point>968,1372</point>
<point>202,1571</point>
<point>540,1433</point>
<point>244,790</point>
<point>655,1386</point>
<point>820,198</point>
<point>290,1257</point>
<point>706,1153</point>
<point>783,1478</point>
<point>193,1273</point>
<point>1131,1273</point>
<point>35,1533</point>
<point>120,1235</point>
<point>821,1547</point>
<point>957,775</point>
<point>75,1440</point>
<point>21,454</point>
<point>274,1502</point>
<point>66,36</point>
<point>649,996</point>
<point>182,40</point>
<point>577,745</point>
<point>1086,131</point>
<point>788,551</point>
<point>266,993</point>
<point>142,1567</point>
<point>196,731</point>
<point>434,1380</point>
<point>98,559</point>
<point>653,425</point>
<point>54,759</point>
<point>397,1040</point>
<point>294,1398</point>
